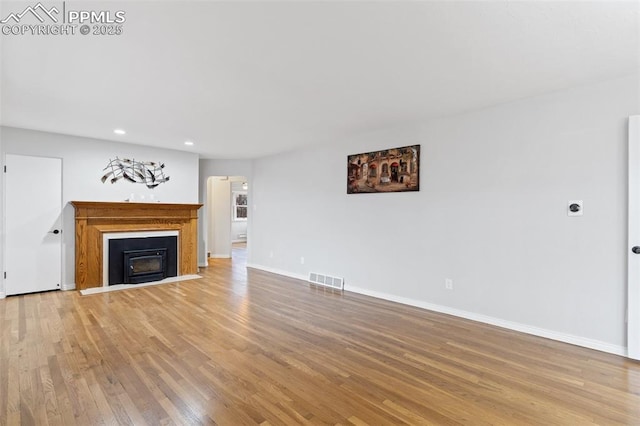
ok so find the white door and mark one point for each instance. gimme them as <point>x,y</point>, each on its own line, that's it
<point>633,282</point>
<point>33,218</point>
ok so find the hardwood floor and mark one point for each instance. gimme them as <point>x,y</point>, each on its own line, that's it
<point>239,348</point>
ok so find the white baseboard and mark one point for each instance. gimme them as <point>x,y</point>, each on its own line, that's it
<point>67,287</point>
<point>239,241</point>
<point>220,256</point>
<point>278,271</point>
<point>3,294</point>
<point>523,328</point>
<point>202,265</point>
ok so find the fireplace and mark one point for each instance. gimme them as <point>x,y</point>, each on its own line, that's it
<point>135,259</point>
<point>97,221</point>
<point>141,266</point>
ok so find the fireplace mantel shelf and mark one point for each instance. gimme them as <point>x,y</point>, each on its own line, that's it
<point>95,218</point>
<point>105,209</point>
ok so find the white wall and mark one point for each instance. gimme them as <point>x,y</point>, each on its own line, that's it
<point>490,214</point>
<point>83,160</point>
<point>238,231</point>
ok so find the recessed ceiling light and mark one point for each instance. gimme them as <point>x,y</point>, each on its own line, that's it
<point>119,132</point>
<point>188,143</point>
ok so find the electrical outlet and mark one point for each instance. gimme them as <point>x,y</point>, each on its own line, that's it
<point>448,284</point>
<point>302,260</point>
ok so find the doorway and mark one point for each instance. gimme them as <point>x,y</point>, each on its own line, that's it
<point>33,224</point>
<point>227,216</point>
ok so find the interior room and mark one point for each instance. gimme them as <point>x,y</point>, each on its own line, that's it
<point>320,212</point>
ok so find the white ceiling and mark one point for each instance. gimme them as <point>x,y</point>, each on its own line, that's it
<point>248,79</point>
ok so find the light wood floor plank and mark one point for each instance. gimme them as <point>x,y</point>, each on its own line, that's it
<point>244,347</point>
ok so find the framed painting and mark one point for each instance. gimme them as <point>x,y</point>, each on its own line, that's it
<point>389,170</point>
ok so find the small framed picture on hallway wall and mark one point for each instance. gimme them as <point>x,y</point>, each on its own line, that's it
<point>388,170</point>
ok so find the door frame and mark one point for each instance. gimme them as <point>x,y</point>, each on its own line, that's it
<point>633,260</point>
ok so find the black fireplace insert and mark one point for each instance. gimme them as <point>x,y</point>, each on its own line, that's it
<point>141,260</point>
<point>141,266</point>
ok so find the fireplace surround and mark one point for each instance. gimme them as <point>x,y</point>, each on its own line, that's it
<point>95,220</point>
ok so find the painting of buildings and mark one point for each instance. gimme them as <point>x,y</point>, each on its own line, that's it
<point>389,170</point>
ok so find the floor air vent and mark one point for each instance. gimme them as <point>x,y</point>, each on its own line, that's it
<point>326,281</point>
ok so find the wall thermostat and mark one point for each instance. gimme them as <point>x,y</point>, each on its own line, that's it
<point>575,208</point>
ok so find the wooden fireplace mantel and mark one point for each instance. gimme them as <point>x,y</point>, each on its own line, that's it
<point>95,218</point>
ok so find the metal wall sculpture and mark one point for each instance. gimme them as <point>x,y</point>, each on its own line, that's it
<point>149,173</point>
